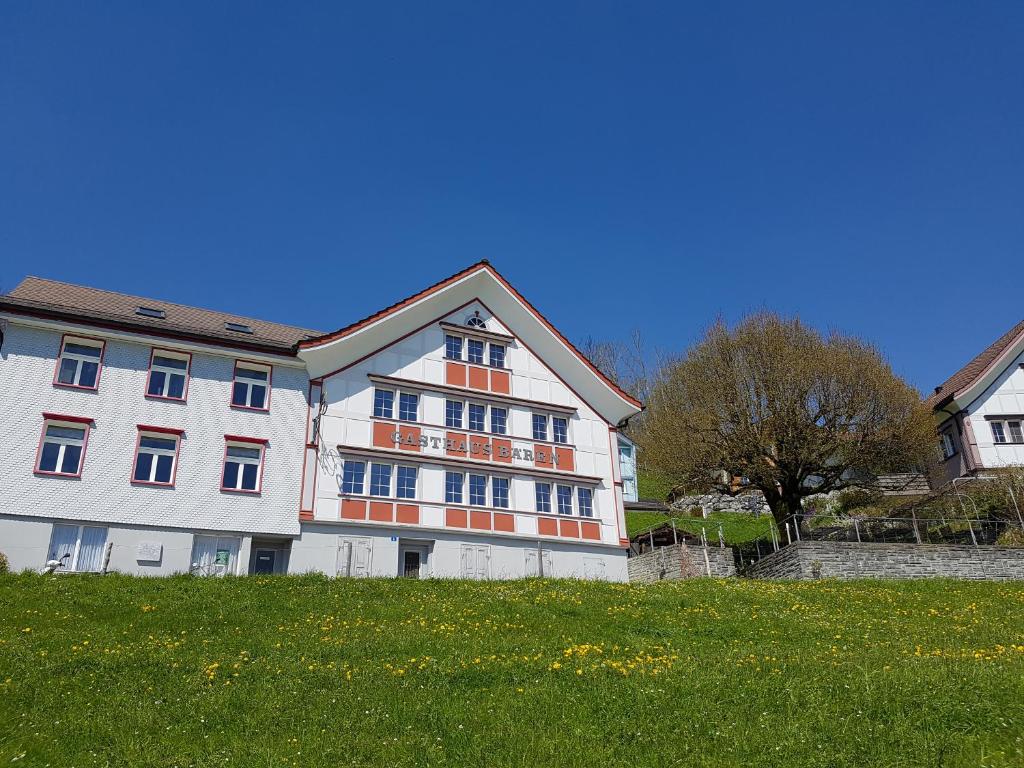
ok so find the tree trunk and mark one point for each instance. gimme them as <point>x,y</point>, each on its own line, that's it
<point>786,506</point>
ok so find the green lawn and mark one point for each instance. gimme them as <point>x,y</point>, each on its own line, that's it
<point>737,527</point>
<point>116,671</point>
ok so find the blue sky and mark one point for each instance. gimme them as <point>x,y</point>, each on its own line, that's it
<point>624,165</point>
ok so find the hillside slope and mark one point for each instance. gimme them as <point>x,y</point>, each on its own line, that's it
<point>312,672</point>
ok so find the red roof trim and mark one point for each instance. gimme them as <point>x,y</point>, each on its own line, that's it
<point>242,439</point>
<point>164,430</point>
<point>64,417</point>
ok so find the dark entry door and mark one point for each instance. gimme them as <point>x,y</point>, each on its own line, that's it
<point>411,564</point>
<point>264,561</point>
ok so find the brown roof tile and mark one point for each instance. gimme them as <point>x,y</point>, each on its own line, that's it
<point>970,373</point>
<point>42,296</point>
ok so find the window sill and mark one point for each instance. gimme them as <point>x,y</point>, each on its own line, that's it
<point>165,398</point>
<point>68,475</point>
<point>152,483</point>
<point>76,386</point>
<point>249,408</point>
<point>242,491</point>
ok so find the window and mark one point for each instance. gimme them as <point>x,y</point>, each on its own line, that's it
<point>585,497</point>
<point>168,375</point>
<point>499,492</point>
<point>383,403</point>
<point>237,327</point>
<point>476,321</point>
<point>406,483</point>
<point>478,490</point>
<point>559,429</point>
<point>408,406</point>
<point>380,479</point>
<point>565,499</point>
<point>475,351</point>
<point>79,363</point>
<point>352,475</point>
<point>540,426</point>
<point>1016,436</point>
<point>251,386</point>
<point>453,413</point>
<point>215,555</point>
<point>998,434</point>
<point>62,448</point>
<point>158,314</point>
<point>453,487</point>
<point>499,420</point>
<point>946,445</point>
<point>476,417</point>
<point>497,355</point>
<point>77,547</point>
<point>242,467</point>
<point>156,455</point>
<point>453,347</point>
<point>543,497</point>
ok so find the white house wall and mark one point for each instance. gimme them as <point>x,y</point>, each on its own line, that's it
<point>1004,397</point>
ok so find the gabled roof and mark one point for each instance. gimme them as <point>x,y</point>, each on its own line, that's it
<point>481,281</point>
<point>977,369</point>
<point>51,298</point>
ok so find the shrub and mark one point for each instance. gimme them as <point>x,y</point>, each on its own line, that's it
<point>4,565</point>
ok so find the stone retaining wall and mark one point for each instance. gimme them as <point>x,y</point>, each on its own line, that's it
<point>681,561</point>
<point>850,560</point>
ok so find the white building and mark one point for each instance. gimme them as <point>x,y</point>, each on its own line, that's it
<point>456,433</point>
<point>979,411</point>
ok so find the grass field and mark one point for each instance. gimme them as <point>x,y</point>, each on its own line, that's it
<point>116,671</point>
<point>737,527</point>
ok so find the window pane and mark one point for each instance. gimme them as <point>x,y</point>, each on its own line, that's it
<point>243,453</point>
<point>997,432</point>
<point>72,455</point>
<point>383,403</point>
<point>380,479</point>
<point>143,466</point>
<point>586,502</point>
<point>499,492</point>
<point>159,443</point>
<point>352,477</point>
<point>156,383</point>
<point>475,351</point>
<point>499,416</point>
<point>164,464</point>
<point>239,393</point>
<point>230,474</point>
<point>408,405</point>
<point>453,413</point>
<point>543,497</point>
<point>87,377</point>
<point>67,371</point>
<point>540,427</point>
<point>453,487</point>
<point>176,387</point>
<point>90,551</point>
<point>82,349</point>
<point>68,433</point>
<point>477,490</point>
<point>172,362</point>
<point>453,347</point>
<point>564,500</point>
<point>249,472</point>
<point>248,373</point>
<point>1015,432</point>
<point>497,355</point>
<point>62,544</point>
<point>48,458</point>
<point>406,483</point>
<point>257,396</point>
<point>476,417</point>
<point>560,429</point>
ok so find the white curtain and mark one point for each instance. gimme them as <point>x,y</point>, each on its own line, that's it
<point>215,555</point>
<point>90,551</point>
<point>62,542</point>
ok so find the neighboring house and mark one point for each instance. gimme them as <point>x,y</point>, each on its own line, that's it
<point>979,411</point>
<point>627,467</point>
<point>456,433</point>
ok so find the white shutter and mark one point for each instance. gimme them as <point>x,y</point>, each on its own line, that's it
<point>531,563</point>
<point>466,567</point>
<point>344,565</point>
<point>353,556</point>
<point>361,558</point>
<point>549,570</point>
<point>593,568</point>
<point>90,551</point>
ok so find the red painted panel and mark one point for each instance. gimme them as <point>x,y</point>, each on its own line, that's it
<point>547,527</point>
<point>455,518</point>
<point>382,511</point>
<point>382,432</point>
<point>457,445</point>
<point>569,528</point>
<point>409,513</point>
<point>353,509</point>
<point>305,515</point>
<point>504,522</point>
<point>455,374</point>
<point>476,446</point>
<point>410,437</point>
<point>542,456</point>
<point>566,459</point>
<point>480,520</point>
<point>501,450</point>
<point>591,531</point>
<point>500,382</point>
<point>477,378</point>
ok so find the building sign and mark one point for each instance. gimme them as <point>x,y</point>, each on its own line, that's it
<point>483,449</point>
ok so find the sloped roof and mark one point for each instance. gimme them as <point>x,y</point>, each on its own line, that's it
<point>35,295</point>
<point>975,369</point>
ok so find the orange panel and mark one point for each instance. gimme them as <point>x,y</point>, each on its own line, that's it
<point>566,459</point>
<point>503,522</point>
<point>591,531</point>
<point>383,434</point>
<point>547,527</point>
<point>477,377</point>
<point>569,528</point>
<point>456,444</point>
<point>353,509</point>
<point>476,446</point>
<point>409,513</point>
<point>382,511</point>
<point>306,515</point>
<point>500,382</point>
<point>410,437</point>
<point>455,374</point>
<point>501,450</point>
<point>542,456</point>
<point>480,520</point>
<point>455,518</point>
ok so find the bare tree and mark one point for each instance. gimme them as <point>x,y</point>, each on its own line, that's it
<point>793,412</point>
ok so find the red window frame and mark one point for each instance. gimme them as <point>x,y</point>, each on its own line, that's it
<point>262,442</point>
<point>48,418</point>
<point>188,375</point>
<point>270,385</point>
<point>60,355</point>
<point>146,428</point>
